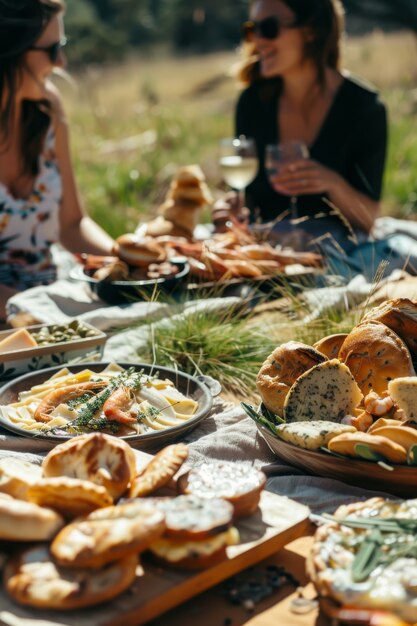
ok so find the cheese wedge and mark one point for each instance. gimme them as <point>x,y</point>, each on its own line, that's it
<point>19,340</point>
<point>327,391</point>
<point>312,435</point>
<point>404,393</point>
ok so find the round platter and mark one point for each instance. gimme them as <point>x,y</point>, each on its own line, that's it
<point>122,291</point>
<point>201,389</point>
<point>401,480</point>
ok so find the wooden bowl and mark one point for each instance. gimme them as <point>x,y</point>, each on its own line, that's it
<point>400,481</point>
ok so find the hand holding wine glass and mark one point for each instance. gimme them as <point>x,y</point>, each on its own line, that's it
<point>279,157</point>
<point>238,164</point>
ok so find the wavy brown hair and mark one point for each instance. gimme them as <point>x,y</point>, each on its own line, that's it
<point>21,24</point>
<point>324,19</point>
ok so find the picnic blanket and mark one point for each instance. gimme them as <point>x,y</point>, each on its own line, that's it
<point>226,433</point>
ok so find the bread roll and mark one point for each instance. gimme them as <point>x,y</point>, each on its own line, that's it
<point>99,458</point>
<point>17,475</point>
<point>159,471</point>
<point>33,579</point>
<point>330,345</point>
<point>375,355</point>
<point>399,314</point>
<point>281,369</point>
<point>108,535</point>
<point>139,252</point>
<point>25,521</point>
<point>70,496</point>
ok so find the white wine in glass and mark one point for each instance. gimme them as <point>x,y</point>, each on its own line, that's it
<point>238,163</point>
<point>282,154</point>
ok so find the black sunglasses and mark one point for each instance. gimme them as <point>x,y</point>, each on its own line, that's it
<point>268,28</point>
<point>52,51</point>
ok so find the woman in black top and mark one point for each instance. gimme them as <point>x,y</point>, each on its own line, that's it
<point>296,92</point>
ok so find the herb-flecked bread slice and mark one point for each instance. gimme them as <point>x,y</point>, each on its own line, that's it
<point>327,391</point>
<point>312,435</point>
<point>404,393</point>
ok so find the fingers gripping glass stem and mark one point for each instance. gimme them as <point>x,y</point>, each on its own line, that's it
<point>279,157</point>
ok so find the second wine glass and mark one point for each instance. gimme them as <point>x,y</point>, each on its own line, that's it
<point>281,155</point>
<point>238,163</point>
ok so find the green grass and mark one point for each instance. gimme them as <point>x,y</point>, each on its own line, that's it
<point>188,105</point>
<point>220,344</point>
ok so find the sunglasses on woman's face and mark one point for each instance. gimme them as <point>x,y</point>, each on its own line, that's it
<point>52,51</point>
<point>268,28</point>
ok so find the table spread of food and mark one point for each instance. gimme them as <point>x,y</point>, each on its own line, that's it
<point>93,518</point>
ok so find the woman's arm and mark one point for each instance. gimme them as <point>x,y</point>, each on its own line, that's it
<point>78,232</point>
<point>309,177</point>
<point>357,194</point>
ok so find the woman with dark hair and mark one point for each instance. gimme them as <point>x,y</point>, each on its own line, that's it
<point>297,92</point>
<point>39,201</point>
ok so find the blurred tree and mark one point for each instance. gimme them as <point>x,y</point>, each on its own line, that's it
<point>89,37</point>
<point>391,13</point>
<point>103,30</point>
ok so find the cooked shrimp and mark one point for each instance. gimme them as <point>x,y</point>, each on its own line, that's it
<point>377,405</point>
<point>62,395</point>
<point>362,421</point>
<point>117,405</point>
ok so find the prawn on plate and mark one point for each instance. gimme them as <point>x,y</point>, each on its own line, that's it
<point>62,395</point>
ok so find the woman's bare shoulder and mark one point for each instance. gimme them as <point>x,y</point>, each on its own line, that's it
<point>55,98</point>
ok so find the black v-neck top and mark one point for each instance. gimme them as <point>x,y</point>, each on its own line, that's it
<point>352,141</point>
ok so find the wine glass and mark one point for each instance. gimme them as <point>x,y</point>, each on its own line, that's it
<point>279,155</point>
<point>238,164</point>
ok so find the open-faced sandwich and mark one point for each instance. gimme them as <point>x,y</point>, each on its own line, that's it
<point>85,508</point>
<point>365,557</point>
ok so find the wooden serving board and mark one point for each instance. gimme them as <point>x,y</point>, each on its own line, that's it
<point>278,521</point>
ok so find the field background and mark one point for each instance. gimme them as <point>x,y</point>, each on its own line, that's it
<point>133,124</point>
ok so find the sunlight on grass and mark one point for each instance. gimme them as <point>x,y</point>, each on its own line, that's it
<point>217,344</point>
<point>187,104</point>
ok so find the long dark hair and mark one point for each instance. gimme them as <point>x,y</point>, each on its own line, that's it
<point>325,20</point>
<point>21,24</point>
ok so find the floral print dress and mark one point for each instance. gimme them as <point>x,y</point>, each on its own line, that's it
<point>29,226</point>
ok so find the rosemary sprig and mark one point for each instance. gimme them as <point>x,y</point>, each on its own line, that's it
<point>387,540</point>
<point>259,418</point>
<point>368,556</point>
<point>129,378</point>
<point>388,524</point>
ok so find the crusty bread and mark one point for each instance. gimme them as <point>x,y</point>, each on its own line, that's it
<point>33,579</point>
<point>17,475</point>
<point>25,521</point>
<point>281,369</point>
<point>159,471</point>
<point>403,392</point>
<point>326,391</point>
<point>101,459</point>
<point>137,251</point>
<point>330,345</point>
<point>346,444</point>
<point>399,314</point>
<point>375,355</point>
<point>108,535</point>
<point>70,496</point>
<point>312,435</point>
<point>240,484</point>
